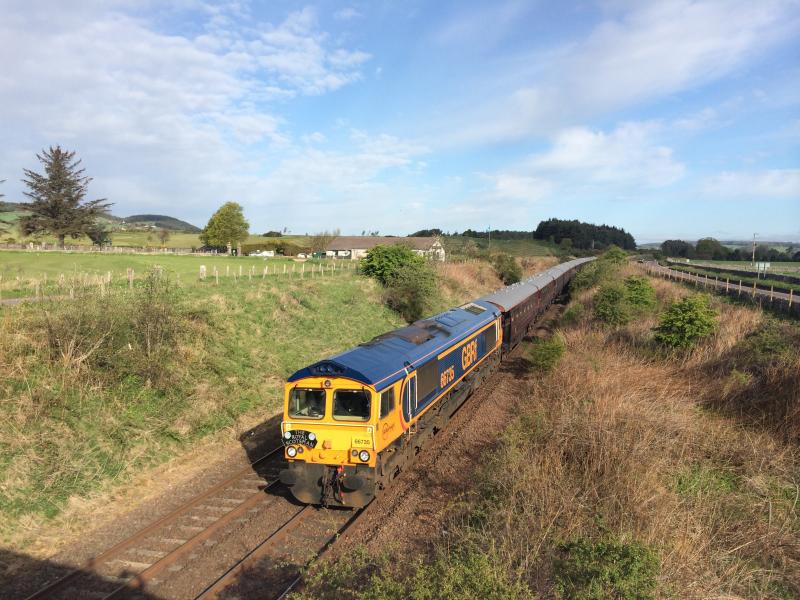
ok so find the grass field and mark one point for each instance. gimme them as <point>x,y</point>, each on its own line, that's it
<point>788,268</point>
<point>764,282</point>
<point>459,246</point>
<point>22,272</point>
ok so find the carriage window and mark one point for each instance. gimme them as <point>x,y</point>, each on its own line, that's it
<point>387,402</point>
<point>307,404</point>
<point>351,405</point>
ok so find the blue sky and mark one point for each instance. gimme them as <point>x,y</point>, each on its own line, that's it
<point>668,118</point>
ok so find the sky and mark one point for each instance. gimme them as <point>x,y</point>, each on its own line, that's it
<point>672,119</point>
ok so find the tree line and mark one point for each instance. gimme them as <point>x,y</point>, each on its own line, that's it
<point>568,234</point>
<point>711,249</point>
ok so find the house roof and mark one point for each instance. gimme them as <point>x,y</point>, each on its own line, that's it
<point>358,242</point>
<point>383,360</point>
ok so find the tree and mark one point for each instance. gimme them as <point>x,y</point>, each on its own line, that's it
<point>320,241</point>
<point>382,261</point>
<point>226,227</point>
<point>677,248</point>
<point>57,198</point>
<point>163,235</point>
<point>507,268</point>
<point>411,290</point>
<point>709,248</point>
<point>99,235</point>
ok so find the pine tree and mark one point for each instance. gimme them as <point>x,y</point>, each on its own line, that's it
<point>57,198</point>
<point>226,227</point>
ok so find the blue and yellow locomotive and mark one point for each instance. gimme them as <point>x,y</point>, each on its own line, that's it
<point>354,421</point>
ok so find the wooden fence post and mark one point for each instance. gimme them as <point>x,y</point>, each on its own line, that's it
<point>790,297</point>
<point>727,284</point>
<point>754,289</point>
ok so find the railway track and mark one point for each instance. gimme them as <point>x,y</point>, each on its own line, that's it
<point>138,560</point>
<point>160,559</point>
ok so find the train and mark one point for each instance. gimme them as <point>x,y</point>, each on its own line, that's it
<point>354,421</point>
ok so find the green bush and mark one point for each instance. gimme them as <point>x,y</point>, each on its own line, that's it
<point>545,354</point>
<point>592,274</point>
<point>507,268</point>
<point>411,290</point>
<point>118,333</point>
<point>686,321</point>
<point>640,293</point>
<point>615,255</point>
<point>381,262</point>
<point>611,305</point>
<point>573,314</point>
<point>466,572</point>
<point>609,569</point>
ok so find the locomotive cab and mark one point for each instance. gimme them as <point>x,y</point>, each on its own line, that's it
<point>329,440</point>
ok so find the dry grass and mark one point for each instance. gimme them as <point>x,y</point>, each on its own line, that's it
<point>616,442</point>
<point>462,282</point>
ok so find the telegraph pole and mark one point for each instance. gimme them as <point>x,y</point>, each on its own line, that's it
<point>754,250</point>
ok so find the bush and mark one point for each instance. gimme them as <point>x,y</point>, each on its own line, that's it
<point>118,334</point>
<point>573,314</point>
<point>507,268</point>
<point>686,321</point>
<point>545,354</point>
<point>592,274</point>
<point>381,262</point>
<point>609,569</point>
<point>411,290</point>
<point>615,255</point>
<point>640,293</point>
<point>464,572</point>
<point>611,305</point>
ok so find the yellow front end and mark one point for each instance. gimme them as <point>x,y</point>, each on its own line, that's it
<point>330,421</point>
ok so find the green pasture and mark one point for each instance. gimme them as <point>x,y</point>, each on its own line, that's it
<point>22,271</point>
<point>459,246</point>
<point>788,267</point>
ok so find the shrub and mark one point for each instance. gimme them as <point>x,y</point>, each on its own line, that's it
<point>464,572</point>
<point>381,262</point>
<point>611,306</point>
<point>592,274</point>
<point>607,569</point>
<point>573,314</point>
<point>411,290</point>
<point>686,321</point>
<point>545,354</point>
<point>640,293</point>
<point>117,333</point>
<point>507,268</point>
<point>614,255</point>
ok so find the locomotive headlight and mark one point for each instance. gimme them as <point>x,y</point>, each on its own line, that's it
<point>311,436</point>
<point>363,456</point>
<point>287,435</point>
<point>291,452</point>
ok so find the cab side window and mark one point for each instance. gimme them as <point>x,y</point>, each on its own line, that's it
<point>387,402</point>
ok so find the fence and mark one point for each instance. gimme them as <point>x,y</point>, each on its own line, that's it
<point>778,301</point>
<point>737,271</point>
<point>65,285</point>
<point>45,247</point>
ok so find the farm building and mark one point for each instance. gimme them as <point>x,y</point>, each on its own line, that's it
<point>355,247</point>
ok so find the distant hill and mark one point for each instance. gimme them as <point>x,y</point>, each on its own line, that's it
<point>15,210</point>
<point>159,222</point>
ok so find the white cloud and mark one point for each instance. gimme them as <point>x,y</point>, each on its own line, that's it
<point>755,185</point>
<point>628,154</point>
<point>640,52</point>
<point>296,53</point>
<point>347,14</point>
<point>159,119</point>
